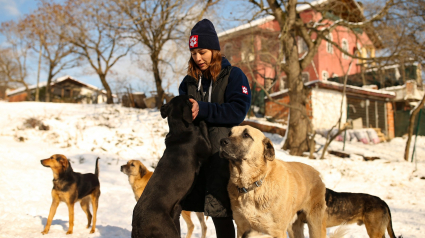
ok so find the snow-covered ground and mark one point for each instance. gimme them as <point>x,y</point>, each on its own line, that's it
<point>116,134</point>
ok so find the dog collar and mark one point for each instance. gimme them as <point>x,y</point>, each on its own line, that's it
<point>256,184</point>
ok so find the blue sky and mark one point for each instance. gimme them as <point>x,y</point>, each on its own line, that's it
<point>16,9</point>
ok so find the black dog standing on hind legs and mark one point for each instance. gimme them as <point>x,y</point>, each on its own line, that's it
<point>157,212</point>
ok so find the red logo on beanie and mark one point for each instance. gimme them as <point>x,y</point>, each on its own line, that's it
<point>193,41</point>
<point>244,90</point>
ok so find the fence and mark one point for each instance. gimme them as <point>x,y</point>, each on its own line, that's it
<point>402,122</point>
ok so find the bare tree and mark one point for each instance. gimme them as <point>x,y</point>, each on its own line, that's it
<point>90,25</point>
<point>412,118</point>
<point>156,23</point>
<point>13,57</point>
<point>402,34</point>
<point>312,33</point>
<point>48,37</point>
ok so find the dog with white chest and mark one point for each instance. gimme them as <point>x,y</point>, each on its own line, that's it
<point>266,193</point>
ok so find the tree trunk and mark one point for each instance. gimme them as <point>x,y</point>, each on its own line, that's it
<point>48,97</point>
<point>413,114</point>
<point>37,89</point>
<point>109,99</point>
<point>158,81</point>
<point>297,140</point>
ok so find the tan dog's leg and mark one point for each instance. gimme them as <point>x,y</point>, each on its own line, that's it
<point>201,219</point>
<point>297,228</point>
<point>85,205</point>
<point>53,207</point>
<point>316,222</point>
<point>242,225</point>
<point>189,223</point>
<point>71,217</point>
<point>95,203</point>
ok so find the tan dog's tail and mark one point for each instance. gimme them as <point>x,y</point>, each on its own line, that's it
<point>339,232</point>
<point>96,170</point>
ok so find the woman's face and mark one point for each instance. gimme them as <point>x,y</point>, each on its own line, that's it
<point>202,58</point>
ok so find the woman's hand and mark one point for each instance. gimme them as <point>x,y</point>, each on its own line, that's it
<point>195,108</point>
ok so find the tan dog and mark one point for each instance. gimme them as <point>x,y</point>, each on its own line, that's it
<point>265,193</point>
<point>71,187</point>
<point>139,175</point>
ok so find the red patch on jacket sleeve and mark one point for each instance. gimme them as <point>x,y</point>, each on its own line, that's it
<point>244,90</point>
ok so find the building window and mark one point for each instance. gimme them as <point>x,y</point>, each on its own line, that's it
<point>282,83</point>
<point>329,46</point>
<point>302,46</point>
<point>228,51</point>
<point>248,51</point>
<point>344,46</point>
<point>325,75</point>
<point>306,77</point>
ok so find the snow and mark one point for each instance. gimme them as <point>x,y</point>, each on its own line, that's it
<point>117,134</point>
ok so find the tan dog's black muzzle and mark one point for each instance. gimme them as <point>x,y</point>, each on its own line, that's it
<point>224,142</point>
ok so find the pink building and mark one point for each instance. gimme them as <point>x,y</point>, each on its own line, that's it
<point>254,47</point>
<point>246,43</point>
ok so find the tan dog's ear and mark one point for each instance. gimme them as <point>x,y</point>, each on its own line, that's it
<point>268,149</point>
<point>142,171</point>
<point>65,163</point>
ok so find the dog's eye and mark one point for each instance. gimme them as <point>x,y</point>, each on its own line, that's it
<point>131,164</point>
<point>246,135</point>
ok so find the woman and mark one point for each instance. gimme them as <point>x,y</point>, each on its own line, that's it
<point>222,99</point>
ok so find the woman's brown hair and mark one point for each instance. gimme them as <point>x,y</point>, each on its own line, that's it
<point>213,70</point>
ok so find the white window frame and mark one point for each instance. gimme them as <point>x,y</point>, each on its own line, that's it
<point>325,75</point>
<point>329,46</point>
<point>345,56</point>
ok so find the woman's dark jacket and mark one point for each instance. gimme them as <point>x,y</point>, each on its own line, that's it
<point>230,102</point>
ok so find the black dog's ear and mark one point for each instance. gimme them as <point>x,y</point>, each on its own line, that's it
<point>164,111</point>
<point>268,149</point>
<point>187,113</point>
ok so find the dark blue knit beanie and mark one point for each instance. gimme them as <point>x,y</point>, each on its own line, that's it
<point>203,36</point>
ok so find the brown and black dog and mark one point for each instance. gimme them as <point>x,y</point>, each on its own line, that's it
<point>349,208</point>
<point>138,177</point>
<point>71,187</point>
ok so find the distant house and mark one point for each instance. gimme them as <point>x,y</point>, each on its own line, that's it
<point>63,89</point>
<point>370,106</point>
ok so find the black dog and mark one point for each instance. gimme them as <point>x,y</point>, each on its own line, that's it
<point>157,212</point>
